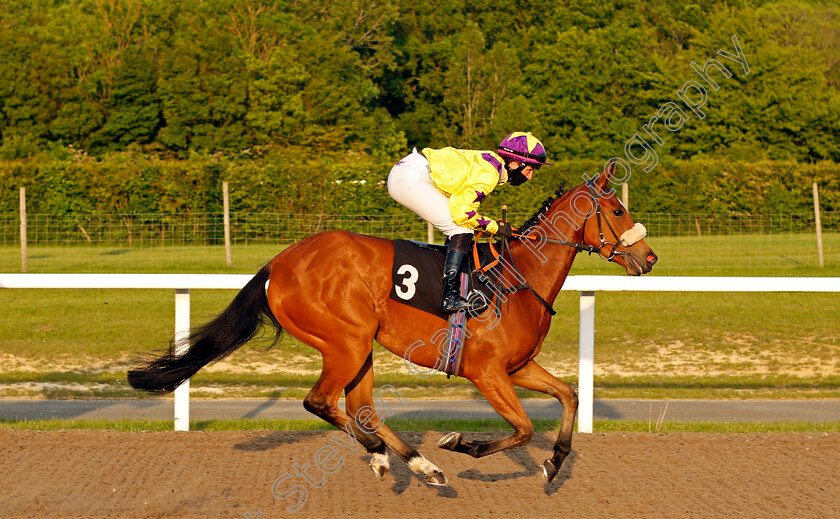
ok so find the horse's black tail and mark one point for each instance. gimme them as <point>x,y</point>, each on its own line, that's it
<point>235,326</point>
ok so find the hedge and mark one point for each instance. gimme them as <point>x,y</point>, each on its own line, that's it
<point>354,184</point>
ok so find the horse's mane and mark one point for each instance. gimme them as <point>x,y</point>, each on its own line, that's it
<point>546,205</point>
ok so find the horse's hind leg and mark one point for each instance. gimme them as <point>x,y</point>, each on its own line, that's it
<point>535,377</point>
<point>360,407</point>
<point>498,390</point>
<point>338,372</point>
<point>357,399</point>
<point>322,401</point>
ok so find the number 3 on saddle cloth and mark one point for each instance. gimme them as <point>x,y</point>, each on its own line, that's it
<point>417,281</point>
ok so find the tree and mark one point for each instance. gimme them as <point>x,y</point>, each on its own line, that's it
<point>133,108</point>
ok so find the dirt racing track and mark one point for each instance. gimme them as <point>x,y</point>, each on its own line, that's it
<point>105,474</point>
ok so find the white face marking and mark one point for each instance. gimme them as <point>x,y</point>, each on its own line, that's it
<point>622,204</point>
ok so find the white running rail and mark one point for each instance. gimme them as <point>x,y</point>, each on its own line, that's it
<point>586,285</point>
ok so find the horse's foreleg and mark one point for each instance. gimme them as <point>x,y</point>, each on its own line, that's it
<point>535,377</point>
<point>497,388</point>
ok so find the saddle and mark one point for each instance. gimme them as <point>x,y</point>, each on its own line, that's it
<point>417,281</point>
<point>417,274</point>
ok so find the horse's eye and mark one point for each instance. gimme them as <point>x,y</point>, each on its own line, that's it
<point>618,212</point>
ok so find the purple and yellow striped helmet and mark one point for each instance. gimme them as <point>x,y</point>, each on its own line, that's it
<point>524,147</point>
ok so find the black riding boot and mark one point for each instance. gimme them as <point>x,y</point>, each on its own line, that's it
<point>456,253</point>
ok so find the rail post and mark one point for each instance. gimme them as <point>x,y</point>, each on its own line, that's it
<point>586,369</point>
<point>23,248</point>
<point>226,218</point>
<point>182,333</point>
<point>818,225</point>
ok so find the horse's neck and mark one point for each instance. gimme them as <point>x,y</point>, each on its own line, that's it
<point>545,266</point>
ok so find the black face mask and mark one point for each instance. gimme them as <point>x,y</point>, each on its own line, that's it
<point>515,176</point>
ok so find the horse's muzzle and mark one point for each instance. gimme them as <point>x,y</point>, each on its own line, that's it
<point>637,265</point>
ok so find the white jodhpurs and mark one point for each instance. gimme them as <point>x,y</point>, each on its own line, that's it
<point>410,184</point>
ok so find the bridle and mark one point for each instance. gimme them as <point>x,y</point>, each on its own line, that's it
<point>593,192</point>
<point>580,246</point>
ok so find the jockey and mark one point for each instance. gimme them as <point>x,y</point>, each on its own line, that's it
<point>445,187</point>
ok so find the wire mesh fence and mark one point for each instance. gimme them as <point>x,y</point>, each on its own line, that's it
<point>689,239</point>
<point>143,230</point>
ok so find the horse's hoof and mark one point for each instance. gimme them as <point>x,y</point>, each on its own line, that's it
<point>379,470</point>
<point>450,441</point>
<point>436,478</point>
<point>379,465</point>
<point>549,471</point>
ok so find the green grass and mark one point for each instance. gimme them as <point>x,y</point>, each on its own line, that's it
<point>108,323</point>
<point>786,254</point>
<point>612,426</point>
<point>209,259</point>
<point>651,345</point>
<point>284,386</point>
<point>648,345</point>
<point>600,426</point>
<point>782,254</point>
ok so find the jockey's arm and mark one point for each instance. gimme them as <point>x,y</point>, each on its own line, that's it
<point>464,204</point>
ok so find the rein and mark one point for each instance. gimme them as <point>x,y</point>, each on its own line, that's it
<point>580,246</point>
<point>497,286</point>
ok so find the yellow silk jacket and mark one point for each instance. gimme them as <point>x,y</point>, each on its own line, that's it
<point>466,177</point>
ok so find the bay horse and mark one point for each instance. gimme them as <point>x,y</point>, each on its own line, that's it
<point>331,292</point>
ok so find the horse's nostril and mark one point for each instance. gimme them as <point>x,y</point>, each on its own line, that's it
<point>651,258</point>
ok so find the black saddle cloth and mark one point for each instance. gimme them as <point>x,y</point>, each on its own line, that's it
<point>417,274</point>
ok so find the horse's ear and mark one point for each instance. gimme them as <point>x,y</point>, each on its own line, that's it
<point>605,176</point>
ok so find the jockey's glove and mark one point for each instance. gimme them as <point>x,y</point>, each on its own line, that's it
<point>505,229</point>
